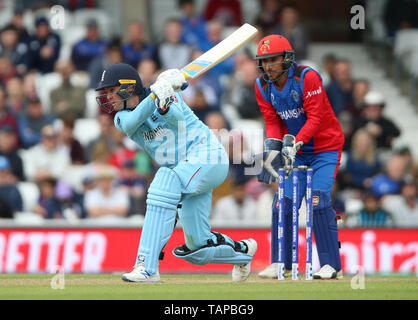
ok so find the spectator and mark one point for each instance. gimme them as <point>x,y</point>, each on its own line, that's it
<point>70,207</point>
<point>227,11</point>
<point>372,215</point>
<point>292,30</point>
<point>404,207</point>
<point>339,91</point>
<point>69,144</point>
<point>217,123</point>
<point>7,71</point>
<point>362,161</point>
<point>400,14</point>
<point>389,182</point>
<point>135,186</point>
<point>267,18</point>
<point>48,206</point>
<point>112,55</point>
<point>242,95</point>
<point>106,131</point>
<point>236,207</point>
<point>194,25</point>
<point>147,69</point>
<point>215,31</point>
<point>7,118</point>
<point>201,95</point>
<point>8,149</point>
<point>31,122</point>
<point>120,153</point>
<point>15,94</point>
<point>346,122</point>
<point>17,52</point>
<point>85,50</point>
<point>67,100</point>
<point>137,49</point>
<point>46,160</point>
<point>411,166</point>
<point>106,200</point>
<point>100,155</point>
<point>17,22</point>
<point>328,64</point>
<point>372,120</point>
<point>29,84</point>
<point>44,47</point>
<point>10,197</point>
<point>171,52</point>
<point>360,88</point>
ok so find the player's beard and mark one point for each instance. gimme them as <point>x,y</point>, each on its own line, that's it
<point>274,76</point>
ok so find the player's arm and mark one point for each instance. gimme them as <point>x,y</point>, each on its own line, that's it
<point>268,162</point>
<point>274,126</point>
<point>129,121</point>
<point>313,102</point>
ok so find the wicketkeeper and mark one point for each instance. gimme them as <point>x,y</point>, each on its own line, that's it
<point>301,129</point>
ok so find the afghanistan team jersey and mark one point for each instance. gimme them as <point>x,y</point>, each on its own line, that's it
<point>302,109</point>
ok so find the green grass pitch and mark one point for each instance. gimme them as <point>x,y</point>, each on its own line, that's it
<point>203,287</point>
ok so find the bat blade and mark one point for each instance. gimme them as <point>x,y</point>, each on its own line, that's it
<point>220,52</point>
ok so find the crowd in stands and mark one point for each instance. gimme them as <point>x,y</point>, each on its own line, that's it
<point>108,176</point>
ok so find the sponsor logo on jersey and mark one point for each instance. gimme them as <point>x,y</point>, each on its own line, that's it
<point>312,93</point>
<point>315,200</point>
<point>152,134</point>
<point>295,96</point>
<point>288,114</point>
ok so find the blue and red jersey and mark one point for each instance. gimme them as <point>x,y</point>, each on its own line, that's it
<point>302,109</point>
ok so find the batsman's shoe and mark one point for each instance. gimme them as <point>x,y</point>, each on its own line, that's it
<point>139,274</point>
<point>272,272</point>
<point>327,272</point>
<point>240,272</point>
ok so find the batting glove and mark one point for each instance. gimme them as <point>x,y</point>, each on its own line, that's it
<point>176,79</point>
<point>164,95</point>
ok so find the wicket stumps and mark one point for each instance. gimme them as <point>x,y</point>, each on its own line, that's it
<point>295,222</point>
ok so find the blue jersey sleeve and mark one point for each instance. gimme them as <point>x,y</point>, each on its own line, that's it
<point>129,121</point>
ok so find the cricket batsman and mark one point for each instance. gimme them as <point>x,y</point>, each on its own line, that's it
<point>301,129</point>
<point>192,162</point>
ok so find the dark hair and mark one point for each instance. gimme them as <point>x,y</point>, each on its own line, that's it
<point>289,5</point>
<point>181,3</point>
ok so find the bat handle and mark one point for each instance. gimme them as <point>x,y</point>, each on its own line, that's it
<point>183,87</point>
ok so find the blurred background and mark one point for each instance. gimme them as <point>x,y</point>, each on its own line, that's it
<point>62,162</point>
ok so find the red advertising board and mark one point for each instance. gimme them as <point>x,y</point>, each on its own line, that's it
<point>95,250</point>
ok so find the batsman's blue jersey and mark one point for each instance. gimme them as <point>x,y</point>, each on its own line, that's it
<point>170,138</point>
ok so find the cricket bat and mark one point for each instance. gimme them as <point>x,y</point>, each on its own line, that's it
<point>219,53</point>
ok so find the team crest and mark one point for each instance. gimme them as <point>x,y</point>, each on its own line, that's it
<point>265,47</point>
<point>295,96</point>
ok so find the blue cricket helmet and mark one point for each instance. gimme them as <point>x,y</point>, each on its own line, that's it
<point>128,80</point>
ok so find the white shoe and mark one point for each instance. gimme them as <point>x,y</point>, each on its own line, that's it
<point>240,272</point>
<point>139,274</point>
<point>272,272</point>
<point>328,272</point>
